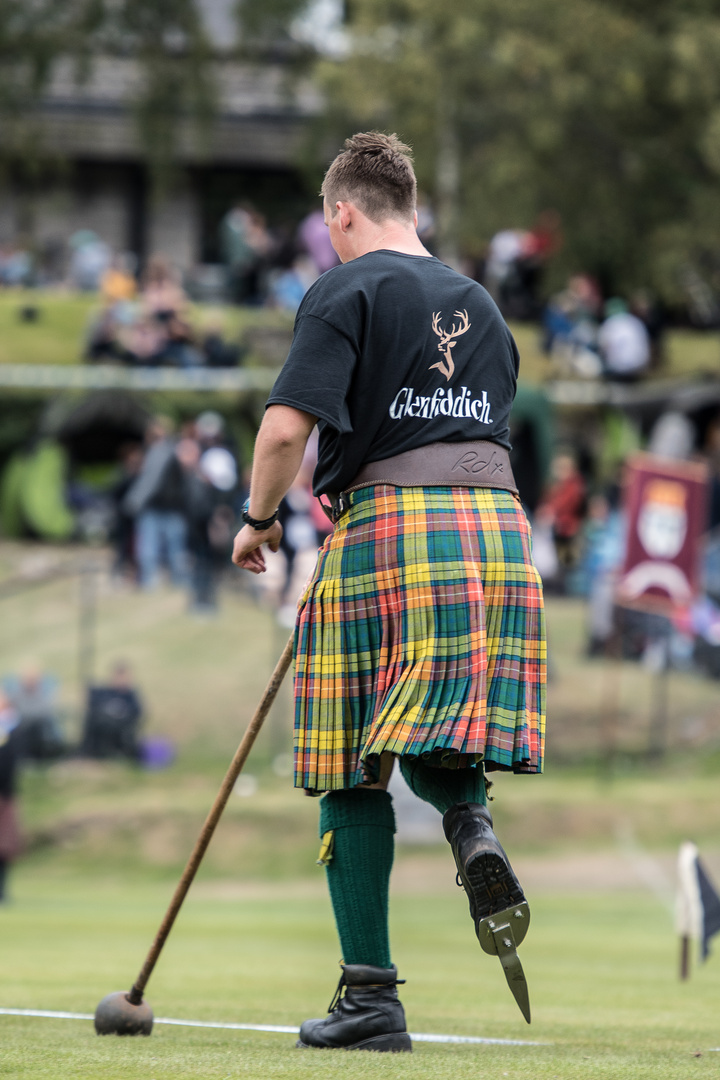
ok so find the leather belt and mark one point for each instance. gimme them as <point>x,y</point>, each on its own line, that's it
<point>479,463</point>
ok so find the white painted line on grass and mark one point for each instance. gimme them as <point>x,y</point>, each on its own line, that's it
<point>276,1028</point>
<point>472,1039</point>
<point>46,1012</point>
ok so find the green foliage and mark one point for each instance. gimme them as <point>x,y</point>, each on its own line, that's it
<point>268,20</point>
<point>607,110</point>
<point>166,38</point>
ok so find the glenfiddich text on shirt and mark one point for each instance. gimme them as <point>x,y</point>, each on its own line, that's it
<point>443,402</point>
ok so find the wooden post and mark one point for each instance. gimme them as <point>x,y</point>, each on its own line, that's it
<point>86,625</point>
<point>658,728</point>
<point>610,703</point>
<point>684,957</point>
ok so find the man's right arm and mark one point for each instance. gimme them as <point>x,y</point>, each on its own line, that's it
<point>279,451</point>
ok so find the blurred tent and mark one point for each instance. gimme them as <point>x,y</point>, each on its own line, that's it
<point>32,493</point>
<point>532,433</point>
<point>34,486</point>
<point>95,429</point>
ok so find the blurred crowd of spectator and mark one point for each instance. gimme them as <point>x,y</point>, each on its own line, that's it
<point>149,324</point>
<point>147,317</point>
<point>591,337</point>
<point>111,722</point>
<point>586,334</point>
<point>579,543</point>
<point>149,321</point>
<point>260,263</point>
<point>176,509</point>
<point>32,732</point>
<point>514,263</point>
<point>176,506</point>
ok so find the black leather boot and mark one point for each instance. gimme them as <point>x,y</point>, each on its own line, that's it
<point>483,867</point>
<point>368,1017</point>
<point>497,902</point>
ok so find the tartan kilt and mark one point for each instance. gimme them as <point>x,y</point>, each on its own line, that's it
<point>421,632</point>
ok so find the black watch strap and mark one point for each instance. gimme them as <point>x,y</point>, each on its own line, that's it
<point>253,522</point>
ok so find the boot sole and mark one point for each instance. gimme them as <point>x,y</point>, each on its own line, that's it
<point>493,884</point>
<point>395,1044</point>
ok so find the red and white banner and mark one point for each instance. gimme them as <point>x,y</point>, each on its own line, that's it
<point>666,503</point>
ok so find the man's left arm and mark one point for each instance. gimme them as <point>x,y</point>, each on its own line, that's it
<point>279,450</point>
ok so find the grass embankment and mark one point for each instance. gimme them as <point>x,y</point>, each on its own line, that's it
<point>687,354</point>
<point>57,335</point>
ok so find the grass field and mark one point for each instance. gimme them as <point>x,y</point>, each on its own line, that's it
<point>601,968</point>
<point>594,846</point>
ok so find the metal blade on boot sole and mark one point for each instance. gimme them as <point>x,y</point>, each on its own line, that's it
<point>500,934</point>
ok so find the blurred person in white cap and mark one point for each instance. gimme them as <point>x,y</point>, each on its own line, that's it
<point>209,428</point>
<point>211,486</point>
<point>624,343</point>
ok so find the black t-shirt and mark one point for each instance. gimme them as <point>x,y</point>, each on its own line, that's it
<point>392,352</point>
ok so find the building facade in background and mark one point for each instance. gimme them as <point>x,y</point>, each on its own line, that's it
<point>101,180</point>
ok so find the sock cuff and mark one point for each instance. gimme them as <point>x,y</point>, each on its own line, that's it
<point>353,806</point>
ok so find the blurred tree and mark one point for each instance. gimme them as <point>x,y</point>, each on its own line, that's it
<point>165,38</point>
<point>606,110</point>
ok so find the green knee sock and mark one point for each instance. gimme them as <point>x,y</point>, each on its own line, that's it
<point>358,870</point>
<point>443,788</point>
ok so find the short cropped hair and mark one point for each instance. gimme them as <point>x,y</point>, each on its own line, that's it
<point>375,172</point>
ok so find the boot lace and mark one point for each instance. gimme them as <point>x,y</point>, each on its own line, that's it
<point>337,995</point>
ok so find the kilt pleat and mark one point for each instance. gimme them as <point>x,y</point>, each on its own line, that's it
<point>421,632</point>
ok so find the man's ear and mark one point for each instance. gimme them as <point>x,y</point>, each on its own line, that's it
<point>344,209</point>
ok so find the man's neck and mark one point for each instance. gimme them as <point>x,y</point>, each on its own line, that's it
<point>353,234</point>
<point>394,236</point>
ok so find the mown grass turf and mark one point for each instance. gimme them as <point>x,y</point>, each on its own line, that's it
<point>255,942</point>
<point>601,969</point>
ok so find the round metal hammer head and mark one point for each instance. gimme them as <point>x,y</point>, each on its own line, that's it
<point>116,1015</point>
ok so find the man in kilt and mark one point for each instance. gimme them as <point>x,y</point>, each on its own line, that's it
<point>420,636</point>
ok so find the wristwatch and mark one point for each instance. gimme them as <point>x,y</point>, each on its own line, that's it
<point>253,522</point>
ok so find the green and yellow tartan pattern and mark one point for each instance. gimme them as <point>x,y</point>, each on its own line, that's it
<point>421,632</point>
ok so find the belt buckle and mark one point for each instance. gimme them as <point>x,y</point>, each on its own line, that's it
<point>339,507</point>
<point>336,508</point>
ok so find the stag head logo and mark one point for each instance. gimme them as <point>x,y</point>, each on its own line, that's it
<point>447,341</point>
